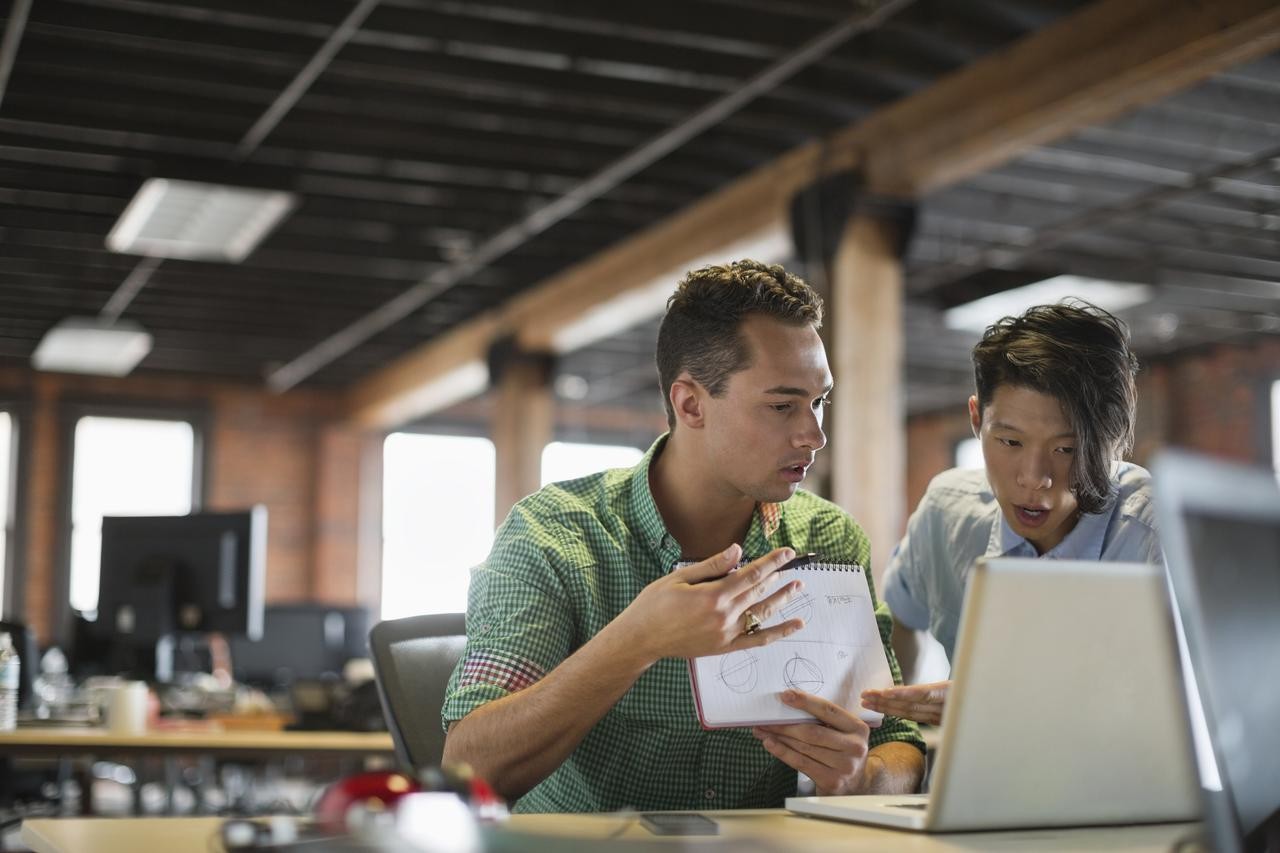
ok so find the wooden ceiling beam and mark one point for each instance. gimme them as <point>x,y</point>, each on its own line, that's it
<point>1089,67</point>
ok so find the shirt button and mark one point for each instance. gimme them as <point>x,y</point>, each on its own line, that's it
<point>710,794</point>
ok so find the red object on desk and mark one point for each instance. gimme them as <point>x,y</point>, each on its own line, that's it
<point>349,800</point>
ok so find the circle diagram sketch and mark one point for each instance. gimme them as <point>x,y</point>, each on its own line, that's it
<point>802,674</point>
<point>740,671</point>
<point>800,607</point>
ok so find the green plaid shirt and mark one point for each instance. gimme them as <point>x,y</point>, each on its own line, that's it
<point>564,564</point>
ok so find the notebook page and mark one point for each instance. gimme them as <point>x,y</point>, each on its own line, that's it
<point>837,654</point>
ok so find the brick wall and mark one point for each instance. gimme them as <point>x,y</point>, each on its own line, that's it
<point>294,453</point>
<point>286,451</point>
<point>1215,400</point>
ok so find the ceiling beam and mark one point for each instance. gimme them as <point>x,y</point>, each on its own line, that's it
<point>1009,256</point>
<point>579,196</point>
<point>1096,64</point>
<point>12,38</point>
<point>299,85</point>
<point>1091,67</point>
<point>453,369</point>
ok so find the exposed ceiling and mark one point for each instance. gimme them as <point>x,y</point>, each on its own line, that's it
<point>426,127</point>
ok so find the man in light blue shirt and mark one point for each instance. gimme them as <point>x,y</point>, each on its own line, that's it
<point>1054,409</point>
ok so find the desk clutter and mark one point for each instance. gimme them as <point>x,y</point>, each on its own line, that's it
<point>246,727</point>
<point>435,810</point>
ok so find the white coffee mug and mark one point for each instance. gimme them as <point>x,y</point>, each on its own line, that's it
<point>127,708</point>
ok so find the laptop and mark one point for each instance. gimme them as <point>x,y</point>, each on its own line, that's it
<point>1220,525</point>
<point>1067,708</point>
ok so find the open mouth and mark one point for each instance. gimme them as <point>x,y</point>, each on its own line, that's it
<point>795,473</point>
<point>1031,516</point>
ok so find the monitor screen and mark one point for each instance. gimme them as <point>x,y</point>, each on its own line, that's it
<point>162,575</point>
<point>303,641</point>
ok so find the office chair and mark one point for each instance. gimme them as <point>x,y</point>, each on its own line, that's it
<point>412,661</point>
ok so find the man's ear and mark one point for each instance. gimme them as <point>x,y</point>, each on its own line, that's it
<point>975,416</point>
<point>688,401</point>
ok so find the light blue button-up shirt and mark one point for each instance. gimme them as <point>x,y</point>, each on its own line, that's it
<point>958,521</point>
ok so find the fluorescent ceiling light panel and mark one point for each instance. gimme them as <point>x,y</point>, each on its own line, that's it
<point>1112,296</point>
<point>197,221</point>
<point>87,345</point>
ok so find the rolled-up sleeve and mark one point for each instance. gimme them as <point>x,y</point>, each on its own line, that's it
<point>905,607</point>
<point>518,628</point>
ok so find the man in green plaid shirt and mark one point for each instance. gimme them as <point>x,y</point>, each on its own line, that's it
<point>573,693</point>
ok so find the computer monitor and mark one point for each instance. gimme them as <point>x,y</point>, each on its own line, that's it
<point>198,573</point>
<point>1220,527</point>
<point>300,642</point>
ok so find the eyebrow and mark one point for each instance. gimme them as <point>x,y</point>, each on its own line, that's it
<point>792,391</point>
<point>1011,428</point>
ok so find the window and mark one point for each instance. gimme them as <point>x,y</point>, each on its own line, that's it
<point>1275,425</point>
<point>437,520</point>
<point>6,515</point>
<point>562,460</point>
<point>969,454</point>
<point>124,466</point>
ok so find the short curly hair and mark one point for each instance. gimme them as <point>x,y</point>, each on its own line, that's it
<point>1079,354</point>
<point>701,332</point>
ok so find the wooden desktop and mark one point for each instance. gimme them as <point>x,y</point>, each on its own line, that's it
<point>69,742</point>
<point>765,829</point>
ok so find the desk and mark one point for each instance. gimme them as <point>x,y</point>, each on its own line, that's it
<point>66,744</point>
<point>63,742</point>
<point>765,828</point>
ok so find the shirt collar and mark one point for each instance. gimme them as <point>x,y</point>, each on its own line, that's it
<point>648,523</point>
<point>766,521</point>
<point>642,512</point>
<point>1084,542</point>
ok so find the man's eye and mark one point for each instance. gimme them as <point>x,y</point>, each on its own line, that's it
<point>780,407</point>
<point>820,402</point>
<point>1009,442</point>
<point>1067,450</point>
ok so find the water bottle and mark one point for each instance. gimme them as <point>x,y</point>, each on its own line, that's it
<point>9,664</point>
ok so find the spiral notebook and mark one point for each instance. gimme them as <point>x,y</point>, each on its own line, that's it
<point>837,654</point>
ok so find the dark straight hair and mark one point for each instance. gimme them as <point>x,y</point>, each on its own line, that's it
<point>1079,354</point>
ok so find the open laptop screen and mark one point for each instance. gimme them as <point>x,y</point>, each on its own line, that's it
<point>1220,526</point>
<point>1237,582</point>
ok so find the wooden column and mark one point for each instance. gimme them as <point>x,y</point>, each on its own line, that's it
<point>868,432</point>
<point>523,420</point>
<point>40,608</point>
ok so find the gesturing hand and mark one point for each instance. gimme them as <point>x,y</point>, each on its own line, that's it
<point>699,609</point>
<point>923,703</point>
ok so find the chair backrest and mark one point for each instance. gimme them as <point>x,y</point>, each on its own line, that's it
<point>412,660</point>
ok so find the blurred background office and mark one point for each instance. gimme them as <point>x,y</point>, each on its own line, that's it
<point>385,267</point>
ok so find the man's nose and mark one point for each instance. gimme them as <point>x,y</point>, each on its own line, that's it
<point>1034,473</point>
<point>812,437</point>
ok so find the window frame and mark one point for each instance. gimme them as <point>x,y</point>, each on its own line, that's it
<point>69,414</point>
<point>15,547</point>
<point>1271,415</point>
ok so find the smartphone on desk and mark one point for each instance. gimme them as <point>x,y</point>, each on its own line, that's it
<point>679,823</point>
